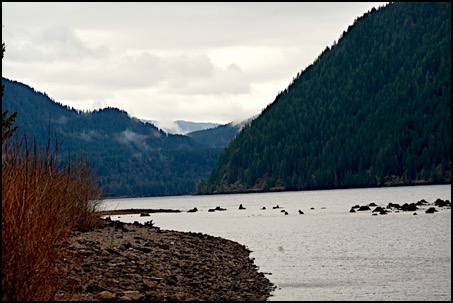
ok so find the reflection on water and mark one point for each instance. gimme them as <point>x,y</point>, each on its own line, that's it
<point>327,253</point>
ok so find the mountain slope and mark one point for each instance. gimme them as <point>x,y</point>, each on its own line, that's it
<point>372,110</point>
<point>132,158</point>
<point>219,136</point>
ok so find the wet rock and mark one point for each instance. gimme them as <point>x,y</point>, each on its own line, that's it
<point>442,203</point>
<point>380,210</point>
<point>431,210</point>
<point>422,202</point>
<point>393,205</point>
<point>409,207</point>
<point>193,210</point>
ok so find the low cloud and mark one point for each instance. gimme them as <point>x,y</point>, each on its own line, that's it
<point>90,135</point>
<point>53,44</point>
<point>168,61</point>
<point>101,70</point>
<point>138,140</point>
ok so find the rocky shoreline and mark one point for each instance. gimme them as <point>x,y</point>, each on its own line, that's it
<point>123,262</point>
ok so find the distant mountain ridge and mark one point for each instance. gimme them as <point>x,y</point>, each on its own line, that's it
<point>372,110</point>
<point>132,157</point>
<point>182,127</point>
<point>219,136</point>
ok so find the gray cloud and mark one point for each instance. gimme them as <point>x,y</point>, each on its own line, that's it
<point>160,61</point>
<point>50,45</point>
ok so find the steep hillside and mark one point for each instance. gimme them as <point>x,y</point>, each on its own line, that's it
<point>219,136</point>
<point>131,157</point>
<point>372,110</point>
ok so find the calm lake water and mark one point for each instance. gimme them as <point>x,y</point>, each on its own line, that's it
<point>327,253</point>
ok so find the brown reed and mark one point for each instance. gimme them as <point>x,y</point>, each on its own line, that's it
<point>43,201</point>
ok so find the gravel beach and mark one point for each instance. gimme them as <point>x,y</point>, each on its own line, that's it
<point>124,262</point>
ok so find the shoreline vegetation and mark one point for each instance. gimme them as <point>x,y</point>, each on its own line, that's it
<point>43,202</point>
<point>386,184</point>
<point>74,254</point>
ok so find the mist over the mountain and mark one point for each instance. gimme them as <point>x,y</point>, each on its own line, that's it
<point>131,157</point>
<point>374,109</point>
<point>182,127</point>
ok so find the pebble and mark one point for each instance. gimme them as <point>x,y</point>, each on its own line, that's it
<point>110,263</point>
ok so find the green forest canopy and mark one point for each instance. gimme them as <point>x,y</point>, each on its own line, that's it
<point>372,110</point>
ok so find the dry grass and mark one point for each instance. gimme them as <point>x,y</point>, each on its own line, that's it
<point>42,203</point>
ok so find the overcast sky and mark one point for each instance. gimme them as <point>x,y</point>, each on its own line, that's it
<point>205,62</point>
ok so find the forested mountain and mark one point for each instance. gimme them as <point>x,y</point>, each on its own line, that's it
<point>132,158</point>
<point>374,109</point>
<point>219,136</point>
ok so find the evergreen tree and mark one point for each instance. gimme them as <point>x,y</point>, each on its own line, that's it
<point>7,118</point>
<point>372,110</point>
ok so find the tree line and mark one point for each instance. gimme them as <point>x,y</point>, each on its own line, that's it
<point>374,109</point>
